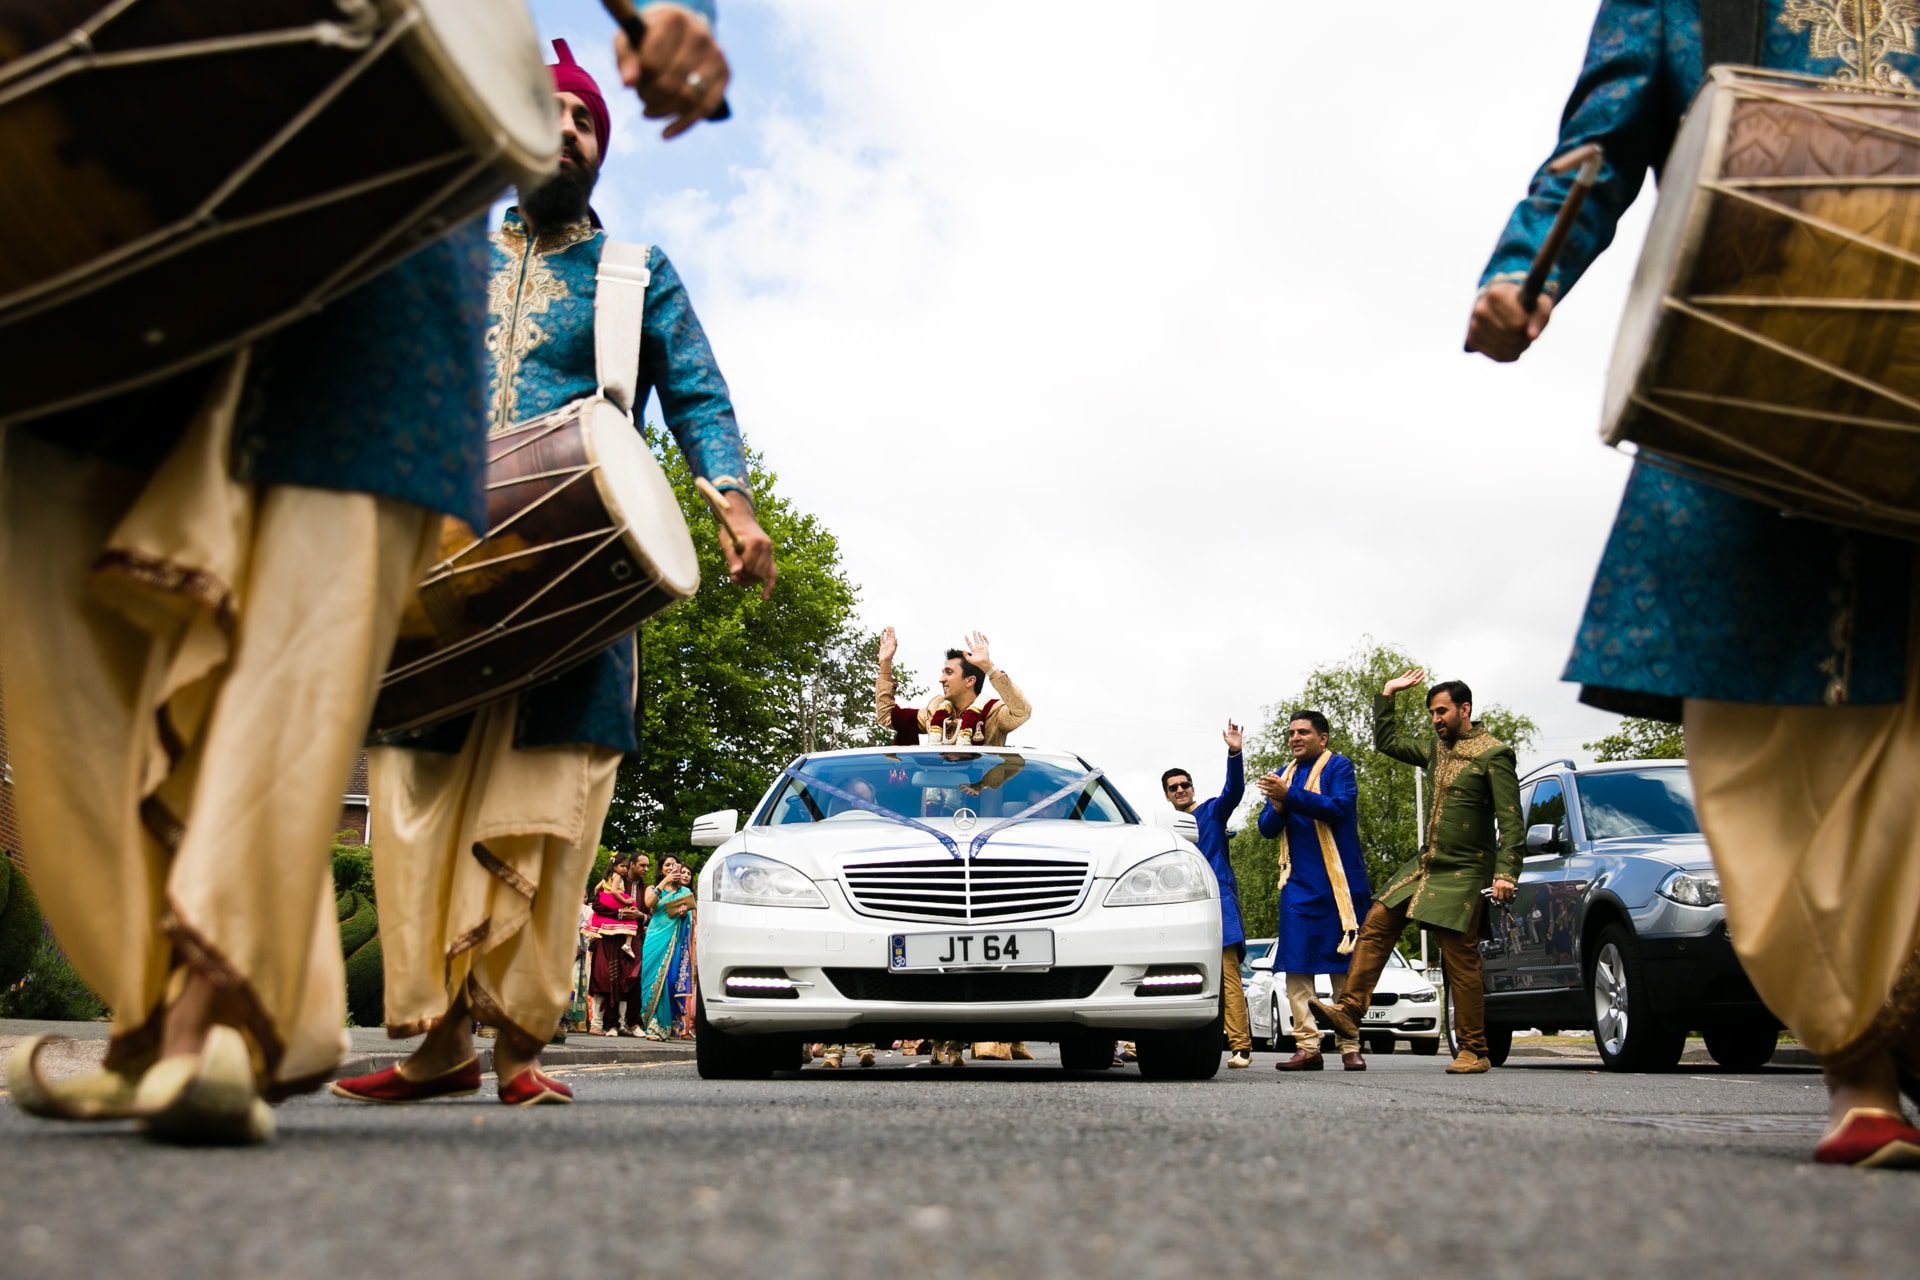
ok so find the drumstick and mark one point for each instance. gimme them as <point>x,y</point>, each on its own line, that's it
<point>721,507</point>
<point>623,12</point>
<point>1587,159</point>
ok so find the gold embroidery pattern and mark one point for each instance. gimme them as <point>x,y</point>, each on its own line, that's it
<point>1861,34</point>
<point>517,296</point>
<point>1449,762</point>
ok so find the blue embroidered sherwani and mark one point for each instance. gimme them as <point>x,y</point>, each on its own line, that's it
<point>1701,594</point>
<point>1310,931</point>
<point>540,357</point>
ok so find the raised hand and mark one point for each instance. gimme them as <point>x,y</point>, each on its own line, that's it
<point>889,645</point>
<point>678,71</point>
<point>977,651</point>
<point>1407,681</point>
<point>1233,738</point>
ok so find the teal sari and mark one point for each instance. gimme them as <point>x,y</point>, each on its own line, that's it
<point>666,964</point>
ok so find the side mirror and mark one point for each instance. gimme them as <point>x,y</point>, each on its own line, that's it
<point>711,830</point>
<point>1417,964</point>
<point>1264,964</point>
<point>1542,837</point>
<point>1181,824</point>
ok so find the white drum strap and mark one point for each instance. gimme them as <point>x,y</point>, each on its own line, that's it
<point>619,304</point>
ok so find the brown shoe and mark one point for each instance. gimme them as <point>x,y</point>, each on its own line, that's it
<point>1352,1061</point>
<point>1344,1027</point>
<point>1303,1062</point>
<point>1468,1063</point>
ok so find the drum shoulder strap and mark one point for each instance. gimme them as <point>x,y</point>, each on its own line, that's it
<point>1732,31</point>
<point>619,306</point>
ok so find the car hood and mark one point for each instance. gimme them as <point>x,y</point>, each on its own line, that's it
<point>821,850</point>
<point>1688,853</point>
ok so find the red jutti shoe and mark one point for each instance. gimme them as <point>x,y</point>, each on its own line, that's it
<point>533,1088</point>
<point>1870,1138</point>
<point>389,1086</point>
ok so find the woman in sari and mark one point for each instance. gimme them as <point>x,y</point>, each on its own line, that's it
<point>666,956</point>
<point>614,924</point>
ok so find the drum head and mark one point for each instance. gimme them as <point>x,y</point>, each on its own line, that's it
<point>636,490</point>
<point>488,55</point>
<point>1679,220</point>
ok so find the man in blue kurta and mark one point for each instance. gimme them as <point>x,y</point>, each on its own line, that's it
<point>1786,645</point>
<point>1324,892</point>
<point>484,830</point>
<point>1210,818</point>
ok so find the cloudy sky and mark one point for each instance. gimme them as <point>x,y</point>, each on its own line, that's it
<point>1130,334</point>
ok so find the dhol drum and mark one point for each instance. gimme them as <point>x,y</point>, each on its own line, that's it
<point>181,178</point>
<point>1771,342</point>
<point>587,541</point>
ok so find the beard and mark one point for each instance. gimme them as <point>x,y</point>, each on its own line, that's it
<point>562,198</point>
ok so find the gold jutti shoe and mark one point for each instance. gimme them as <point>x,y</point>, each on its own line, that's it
<point>993,1051</point>
<point>205,1099</point>
<point>1021,1053</point>
<point>101,1094</point>
<point>1468,1063</point>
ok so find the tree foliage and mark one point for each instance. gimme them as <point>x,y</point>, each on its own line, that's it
<point>1637,739</point>
<point>1344,691</point>
<point>733,686</point>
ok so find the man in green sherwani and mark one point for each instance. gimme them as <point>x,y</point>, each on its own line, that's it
<point>1474,839</point>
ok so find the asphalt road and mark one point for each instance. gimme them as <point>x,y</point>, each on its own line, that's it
<point>1541,1168</point>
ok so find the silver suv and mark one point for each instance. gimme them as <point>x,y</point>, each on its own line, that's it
<point>1617,925</point>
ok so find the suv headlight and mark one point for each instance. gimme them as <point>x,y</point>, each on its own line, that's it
<point>1175,876</point>
<point>1692,888</point>
<point>754,881</point>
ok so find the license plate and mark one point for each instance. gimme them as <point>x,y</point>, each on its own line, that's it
<point>1375,1015</point>
<point>1024,949</point>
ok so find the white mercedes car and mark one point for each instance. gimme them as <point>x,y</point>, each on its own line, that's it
<point>954,892</point>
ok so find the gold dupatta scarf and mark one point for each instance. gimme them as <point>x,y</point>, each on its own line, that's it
<point>1329,854</point>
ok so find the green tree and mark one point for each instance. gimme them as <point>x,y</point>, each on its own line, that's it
<point>1344,691</point>
<point>1637,739</point>
<point>733,686</point>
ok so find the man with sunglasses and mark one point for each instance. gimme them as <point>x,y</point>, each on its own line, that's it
<point>1210,817</point>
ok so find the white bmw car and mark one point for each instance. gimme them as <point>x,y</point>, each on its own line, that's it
<point>954,892</point>
<point>1405,1005</point>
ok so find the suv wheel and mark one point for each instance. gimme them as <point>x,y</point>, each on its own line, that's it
<point>1084,1053</point>
<point>1741,1046</point>
<point>1180,1055</point>
<point>1499,1037</point>
<point>1626,1031</point>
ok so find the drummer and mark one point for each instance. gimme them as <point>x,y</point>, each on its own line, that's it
<point>196,605</point>
<point>485,828</point>
<point>1763,635</point>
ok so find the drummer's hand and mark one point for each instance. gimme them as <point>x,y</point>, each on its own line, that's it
<point>679,70</point>
<point>1501,329</point>
<point>749,550</point>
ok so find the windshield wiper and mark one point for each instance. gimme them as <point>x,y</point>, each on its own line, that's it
<point>948,842</point>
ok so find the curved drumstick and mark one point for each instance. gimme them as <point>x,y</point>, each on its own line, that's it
<point>628,17</point>
<point>1587,159</point>
<point>721,508</point>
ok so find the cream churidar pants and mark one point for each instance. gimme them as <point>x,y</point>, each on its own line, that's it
<point>190,664</point>
<point>1306,1032</point>
<point>480,862</point>
<point>1813,814</point>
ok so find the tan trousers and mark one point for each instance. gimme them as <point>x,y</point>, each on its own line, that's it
<point>1813,815</point>
<point>1306,1031</point>
<point>1234,1002</point>
<point>190,664</point>
<point>1459,955</point>
<point>479,863</point>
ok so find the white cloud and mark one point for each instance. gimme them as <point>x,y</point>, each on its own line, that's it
<point>1131,334</point>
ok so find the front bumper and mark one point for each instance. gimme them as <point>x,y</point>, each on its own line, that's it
<point>840,962</point>
<point>1698,979</point>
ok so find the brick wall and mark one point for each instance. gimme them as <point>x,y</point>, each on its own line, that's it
<point>353,806</point>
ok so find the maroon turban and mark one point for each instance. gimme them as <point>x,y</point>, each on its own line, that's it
<point>570,77</point>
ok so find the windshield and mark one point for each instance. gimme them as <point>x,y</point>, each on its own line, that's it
<point>1651,802</point>
<point>937,784</point>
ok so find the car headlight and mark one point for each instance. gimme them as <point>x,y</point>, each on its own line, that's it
<point>1176,876</point>
<point>1426,995</point>
<point>754,881</point>
<point>1692,888</point>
